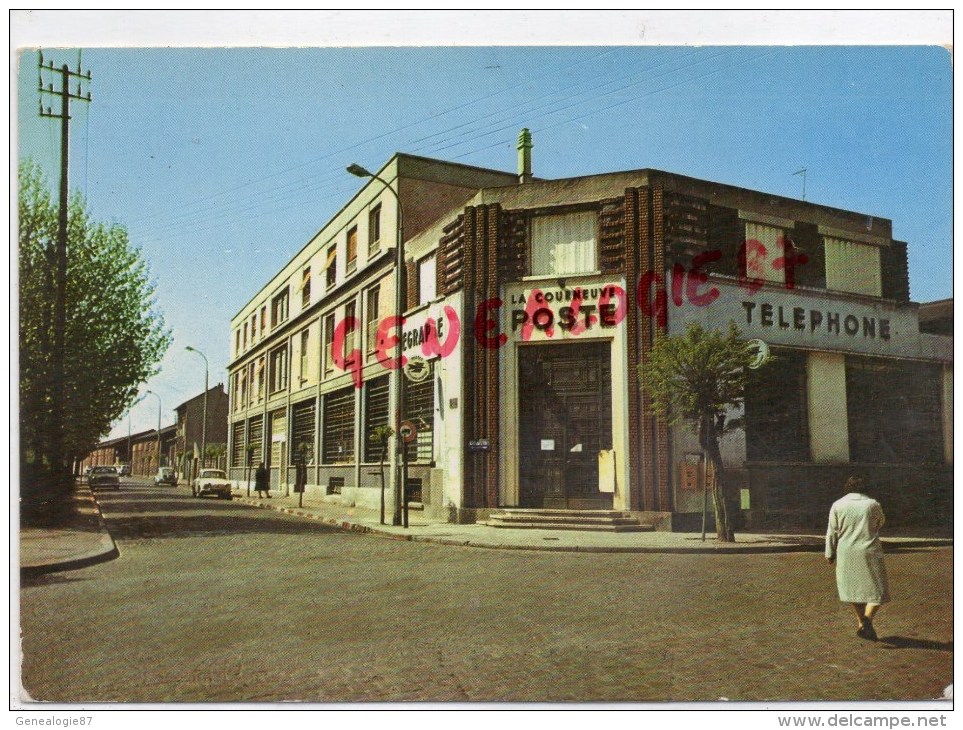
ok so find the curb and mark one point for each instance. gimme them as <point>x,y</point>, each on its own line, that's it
<point>109,550</point>
<point>729,549</point>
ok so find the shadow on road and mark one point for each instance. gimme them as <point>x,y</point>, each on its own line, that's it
<point>904,642</point>
<point>131,527</point>
<point>50,579</point>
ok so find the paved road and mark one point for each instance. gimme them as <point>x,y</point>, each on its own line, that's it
<point>215,601</point>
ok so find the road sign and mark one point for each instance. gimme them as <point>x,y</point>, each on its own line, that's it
<point>407,431</point>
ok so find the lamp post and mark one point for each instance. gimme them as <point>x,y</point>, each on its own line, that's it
<point>150,392</point>
<point>401,467</point>
<point>204,419</point>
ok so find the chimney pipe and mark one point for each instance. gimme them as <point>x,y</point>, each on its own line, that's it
<point>525,156</point>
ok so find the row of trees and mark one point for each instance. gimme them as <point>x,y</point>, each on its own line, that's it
<point>114,333</point>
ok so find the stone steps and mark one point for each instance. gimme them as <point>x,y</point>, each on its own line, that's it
<point>561,519</point>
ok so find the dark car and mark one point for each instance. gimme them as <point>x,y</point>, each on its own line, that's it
<point>104,477</point>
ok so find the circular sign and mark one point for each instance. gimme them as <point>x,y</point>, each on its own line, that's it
<point>760,354</point>
<point>416,369</point>
<point>407,431</point>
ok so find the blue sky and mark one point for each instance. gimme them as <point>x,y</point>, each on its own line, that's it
<point>222,163</point>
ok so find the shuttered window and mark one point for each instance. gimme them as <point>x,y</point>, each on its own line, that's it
<point>255,438</point>
<point>279,435</point>
<point>764,245</point>
<point>376,414</point>
<point>564,244</point>
<point>338,427</point>
<point>237,445</point>
<point>302,431</point>
<point>853,267</point>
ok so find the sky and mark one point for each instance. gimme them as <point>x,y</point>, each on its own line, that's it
<point>223,162</point>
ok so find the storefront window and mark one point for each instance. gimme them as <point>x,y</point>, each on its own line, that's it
<point>776,410</point>
<point>420,410</point>
<point>894,411</point>
<point>376,414</point>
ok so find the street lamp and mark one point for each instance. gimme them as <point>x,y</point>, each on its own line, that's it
<point>401,467</point>
<point>204,420</point>
<point>150,392</point>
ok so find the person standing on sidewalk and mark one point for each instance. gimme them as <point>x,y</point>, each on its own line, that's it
<point>852,543</point>
<point>262,481</point>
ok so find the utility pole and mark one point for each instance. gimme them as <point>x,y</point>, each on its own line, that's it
<point>59,354</point>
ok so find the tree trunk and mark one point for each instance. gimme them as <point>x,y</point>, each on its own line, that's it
<point>709,437</point>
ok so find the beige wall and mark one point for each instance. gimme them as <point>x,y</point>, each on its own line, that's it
<point>828,420</point>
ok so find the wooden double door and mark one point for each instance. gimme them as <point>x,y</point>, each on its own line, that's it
<point>565,420</point>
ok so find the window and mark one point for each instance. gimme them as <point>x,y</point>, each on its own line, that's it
<point>372,318</point>
<point>350,336</point>
<point>426,280</point>
<point>330,266</point>
<point>374,230</point>
<point>376,414</point>
<point>237,341</point>
<point>260,379</point>
<point>328,340</point>
<point>279,428</point>
<point>278,373</point>
<point>563,244</point>
<point>237,444</point>
<point>306,288</point>
<point>253,327</point>
<point>255,439</point>
<point>339,427</point>
<point>302,431</point>
<point>764,244</point>
<point>303,368</point>
<point>853,267</point>
<point>351,256</point>
<point>244,338</point>
<point>420,410</point>
<point>244,389</point>
<point>263,320</point>
<point>894,411</point>
<point>279,309</point>
<point>777,426</point>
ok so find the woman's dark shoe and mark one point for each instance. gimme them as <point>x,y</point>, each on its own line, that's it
<point>866,631</point>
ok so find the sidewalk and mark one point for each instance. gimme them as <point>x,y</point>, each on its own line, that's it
<point>482,536</point>
<point>81,541</point>
<point>85,540</point>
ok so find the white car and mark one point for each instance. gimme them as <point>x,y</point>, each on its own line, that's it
<point>211,481</point>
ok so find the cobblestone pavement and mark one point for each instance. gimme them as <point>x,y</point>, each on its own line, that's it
<point>213,601</point>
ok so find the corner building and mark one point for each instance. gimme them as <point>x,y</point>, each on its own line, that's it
<point>531,305</point>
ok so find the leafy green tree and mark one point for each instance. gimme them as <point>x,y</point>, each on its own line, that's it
<point>694,378</point>
<point>114,333</point>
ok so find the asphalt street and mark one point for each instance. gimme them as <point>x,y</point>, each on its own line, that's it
<point>216,601</point>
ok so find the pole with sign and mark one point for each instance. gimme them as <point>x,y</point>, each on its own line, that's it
<point>408,433</point>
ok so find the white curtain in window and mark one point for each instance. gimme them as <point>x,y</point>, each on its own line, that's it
<point>853,267</point>
<point>563,244</point>
<point>426,280</point>
<point>761,265</point>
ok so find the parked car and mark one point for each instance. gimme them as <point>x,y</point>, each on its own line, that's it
<point>211,481</point>
<point>103,477</point>
<point>124,470</point>
<point>165,475</point>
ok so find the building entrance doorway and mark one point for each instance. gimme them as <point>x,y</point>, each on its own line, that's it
<point>565,420</point>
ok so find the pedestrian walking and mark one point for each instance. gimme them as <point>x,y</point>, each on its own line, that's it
<point>262,481</point>
<point>852,543</point>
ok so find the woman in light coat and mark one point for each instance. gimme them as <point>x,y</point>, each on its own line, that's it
<point>852,543</point>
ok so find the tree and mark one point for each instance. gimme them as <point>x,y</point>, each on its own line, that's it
<point>114,333</point>
<point>695,378</point>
